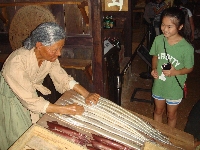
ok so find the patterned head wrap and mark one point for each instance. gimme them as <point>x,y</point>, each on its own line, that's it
<point>47,33</point>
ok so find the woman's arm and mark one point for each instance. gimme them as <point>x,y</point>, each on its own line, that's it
<point>64,82</point>
<point>72,109</point>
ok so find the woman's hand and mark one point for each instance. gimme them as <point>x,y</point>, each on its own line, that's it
<point>74,109</point>
<point>71,109</point>
<point>92,98</point>
<point>154,73</point>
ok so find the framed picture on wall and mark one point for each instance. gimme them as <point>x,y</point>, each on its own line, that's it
<point>115,5</point>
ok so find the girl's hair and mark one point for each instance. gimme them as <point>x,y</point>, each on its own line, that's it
<point>179,18</point>
<point>47,33</point>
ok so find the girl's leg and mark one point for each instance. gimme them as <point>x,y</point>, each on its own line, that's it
<point>159,109</point>
<point>172,115</point>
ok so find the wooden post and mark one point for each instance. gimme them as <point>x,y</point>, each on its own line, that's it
<point>97,66</point>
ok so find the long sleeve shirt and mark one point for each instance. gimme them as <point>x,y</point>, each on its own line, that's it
<point>24,76</point>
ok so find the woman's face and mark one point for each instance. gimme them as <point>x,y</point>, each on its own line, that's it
<point>50,53</point>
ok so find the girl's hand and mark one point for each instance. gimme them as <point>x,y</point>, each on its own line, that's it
<point>169,73</point>
<point>92,98</point>
<point>154,73</point>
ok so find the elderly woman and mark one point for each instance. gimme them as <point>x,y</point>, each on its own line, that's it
<point>22,76</point>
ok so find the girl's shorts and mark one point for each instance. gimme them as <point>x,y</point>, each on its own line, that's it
<point>168,101</point>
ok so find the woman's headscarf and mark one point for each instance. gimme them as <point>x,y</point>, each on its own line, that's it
<point>47,33</point>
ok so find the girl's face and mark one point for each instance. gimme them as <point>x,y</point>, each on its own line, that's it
<point>169,28</point>
<point>49,53</point>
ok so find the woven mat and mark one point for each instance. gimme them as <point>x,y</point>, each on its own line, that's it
<point>25,20</point>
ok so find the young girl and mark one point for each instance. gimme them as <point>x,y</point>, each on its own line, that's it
<point>170,47</point>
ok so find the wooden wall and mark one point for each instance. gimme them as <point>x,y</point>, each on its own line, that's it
<point>80,46</point>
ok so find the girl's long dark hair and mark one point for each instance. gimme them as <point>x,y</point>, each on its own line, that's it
<point>179,19</point>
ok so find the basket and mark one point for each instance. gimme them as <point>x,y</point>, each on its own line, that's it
<point>25,20</point>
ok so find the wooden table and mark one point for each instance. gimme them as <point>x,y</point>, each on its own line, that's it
<point>177,137</point>
<point>37,138</point>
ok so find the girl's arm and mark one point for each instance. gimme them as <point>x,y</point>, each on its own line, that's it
<point>154,62</point>
<point>174,72</point>
<point>154,72</point>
